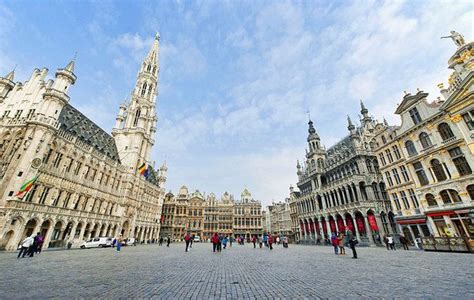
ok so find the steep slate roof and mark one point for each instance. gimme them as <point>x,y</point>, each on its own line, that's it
<point>74,122</point>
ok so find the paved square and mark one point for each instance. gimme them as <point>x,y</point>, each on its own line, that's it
<point>238,272</point>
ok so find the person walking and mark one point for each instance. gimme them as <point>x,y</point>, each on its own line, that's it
<point>352,242</point>
<point>270,242</point>
<point>168,241</point>
<point>160,241</point>
<point>187,238</point>
<point>285,242</point>
<point>254,241</point>
<point>334,243</point>
<point>219,244</point>
<point>260,241</point>
<point>391,242</point>
<point>38,243</point>
<point>278,240</point>
<point>25,245</point>
<point>215,241</point>
<point>404,241</point>
<point>224,242</point>
<point>191,241</point>
<point>231,239</point>
<point>340,241</point>
<point>119,243</point>
<point>385,240</point>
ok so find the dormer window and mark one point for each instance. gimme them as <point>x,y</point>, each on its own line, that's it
<point>415,115</point>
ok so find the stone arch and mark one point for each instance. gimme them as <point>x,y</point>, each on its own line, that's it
<point>340,223</point>
<point>29,228</point>
<point>360,223</point>
<point>332,224</point>
<point>391,220</point>
<point>349,222</point>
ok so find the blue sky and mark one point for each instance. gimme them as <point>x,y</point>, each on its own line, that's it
<point>238,76</point>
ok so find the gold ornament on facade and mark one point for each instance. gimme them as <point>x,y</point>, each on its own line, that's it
<point>456,118</point>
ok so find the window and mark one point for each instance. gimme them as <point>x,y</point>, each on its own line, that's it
<point>18,114</point>
<point>404,172</point>
<point>30,114</point>
<point>460,161</point>
<point>44,195</point>
<point>430,200</point>
<point>396,176</point>
<point>438,170</point>
<point>415,116</point>
<point>445,131</point>
<point>382,159</point>
<point>57,160</point>
<point>396,151</point>
<point>413,198</point>
<point>384,140</point>
<point>449,196</point>
<point>389,179</point>
<point>425,140</point>
<point>420,173</point>
<point>56,201</point>
<point>406,204</point>
<point>5,114</point>
<point>389,155</point>
<point>143,89</point>
<point>469,119</point>
<point>47,156</point>
<point>410,148</point>
<point>396,201</point>
<point>470,191</point>
<point>137,117</point>
<point>29,197</point>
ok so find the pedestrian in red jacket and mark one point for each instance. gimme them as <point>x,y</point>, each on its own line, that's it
<point>215,242</point>
<point>270,241</point>
<point>187,239</point>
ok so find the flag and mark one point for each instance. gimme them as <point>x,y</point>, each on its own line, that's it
<point>26,187</point>
<point>147,172</point>
<point>142,169</point>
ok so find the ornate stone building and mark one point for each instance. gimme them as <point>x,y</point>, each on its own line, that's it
<point>88,183</point>
<point>427,160</point>
<point>280,220</point>
<point>341,186</point>
<point>247,216</point>
<point>204,216</point>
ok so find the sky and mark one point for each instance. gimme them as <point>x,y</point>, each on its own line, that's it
<point>237,78</point>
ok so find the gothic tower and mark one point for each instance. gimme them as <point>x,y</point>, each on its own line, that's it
<point>136,121</point>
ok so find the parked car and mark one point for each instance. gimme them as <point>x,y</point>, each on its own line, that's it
<point>98,242</point>
<point>197,239</point>
<point>129,242</point>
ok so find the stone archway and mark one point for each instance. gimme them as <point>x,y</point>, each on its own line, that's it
<point>7,239</point>
<point>29,228</point>
<point>125,229</point>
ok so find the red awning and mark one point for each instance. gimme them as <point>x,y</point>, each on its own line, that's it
<point>413,221</point>
<point>440,213</point>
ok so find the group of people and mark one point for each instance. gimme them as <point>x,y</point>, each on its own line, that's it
<point>31,245</point>
<point>341,239</point>
<point>389,241</point>
<point>161,240</point>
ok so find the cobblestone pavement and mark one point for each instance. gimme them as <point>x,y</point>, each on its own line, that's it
<point>238,272</point>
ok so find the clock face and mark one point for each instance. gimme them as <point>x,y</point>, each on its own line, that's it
<point>36,162</point>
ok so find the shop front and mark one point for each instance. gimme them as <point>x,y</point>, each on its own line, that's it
<point>414,228</point>
<point>453,231</point>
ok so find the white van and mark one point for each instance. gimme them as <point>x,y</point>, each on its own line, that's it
<point>129,242</point>
<point>197,239</point>
<point>98,242</point>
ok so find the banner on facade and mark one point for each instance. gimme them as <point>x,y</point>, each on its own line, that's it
<point>372,222</point>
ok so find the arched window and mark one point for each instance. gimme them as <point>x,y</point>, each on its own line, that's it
<point>470,191</point>
<point>143,89</point>
<point>438,170</point>
<point>154,70</point>
<point>137,117</point>
<point>430,199</point>
<point>410,148</point>
<point>425,140</point>
<point>450,196</point>
<point>445,131</point>
<point>150,89</point>
<point>369,165</point>
<point>148,68</point>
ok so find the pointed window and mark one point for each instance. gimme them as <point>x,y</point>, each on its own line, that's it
<point>150,89</point>
<point>148,68</point>
<point>137,117</point>
<point>143,89</point>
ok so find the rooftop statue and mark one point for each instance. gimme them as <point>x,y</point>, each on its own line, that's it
<point>457,38</point>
